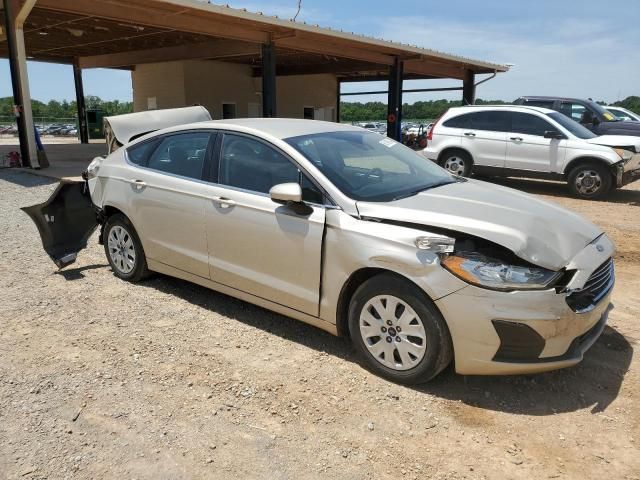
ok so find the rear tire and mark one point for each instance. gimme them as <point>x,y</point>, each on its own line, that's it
<point>457,162</point>
<point>124,250</point>
<point>398,331</point>
<point>590,180</point>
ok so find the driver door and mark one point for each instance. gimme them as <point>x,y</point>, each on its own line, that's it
<point>256,245</point>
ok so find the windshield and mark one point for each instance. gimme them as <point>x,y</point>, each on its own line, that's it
<point>603,112</point>
<point>574,127</point>
<point>369,167</point>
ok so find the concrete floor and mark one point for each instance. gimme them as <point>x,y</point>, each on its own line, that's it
<point>67,159</point>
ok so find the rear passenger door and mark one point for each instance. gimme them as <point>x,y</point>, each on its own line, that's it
<point>484,135</point>
<point>527,149</point>
<point>166,198</point>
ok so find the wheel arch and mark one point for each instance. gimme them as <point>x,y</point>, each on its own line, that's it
<point>454,148</point>
<point>350,286</point>
<point>109,210</point>
<point>586,159</point>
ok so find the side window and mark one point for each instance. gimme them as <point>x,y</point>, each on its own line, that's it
<point>461,121</point>
<point>181,154</point>
<point>311,193</point>
<point>252,165</point>
<point>138,154</point>
<point>529,124</point>
<point>576,111</point>
<point>496,121</point>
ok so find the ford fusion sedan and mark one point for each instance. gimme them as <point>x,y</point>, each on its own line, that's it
<point>349,231</point>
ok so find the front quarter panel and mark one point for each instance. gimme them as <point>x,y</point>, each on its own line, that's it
<point>352,244</point>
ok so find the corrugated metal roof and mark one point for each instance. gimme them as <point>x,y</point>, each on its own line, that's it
<point>358,38</point>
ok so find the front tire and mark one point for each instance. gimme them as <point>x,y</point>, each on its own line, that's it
<point>398,331</point>
<point>591,181</point>
<point>457,162</point>
<point>124,250</point>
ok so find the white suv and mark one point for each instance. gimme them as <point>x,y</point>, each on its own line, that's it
<point>532,142</point>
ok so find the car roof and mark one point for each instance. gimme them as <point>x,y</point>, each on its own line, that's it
<point>503,106</point>
<point>280,128</point>
<point>542,97</point>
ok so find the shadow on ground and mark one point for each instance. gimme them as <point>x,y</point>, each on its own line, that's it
<point>594,383</point>
<point>560,189</point>
<point>76,273</point>
<point>23,178</point>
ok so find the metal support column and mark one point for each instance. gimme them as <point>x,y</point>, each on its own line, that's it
<point>338,99</point>
<point>16,83</point>
<point>268,80</point>
<point>468,88</point>
<point>394,109</point>
<point>83,128</point>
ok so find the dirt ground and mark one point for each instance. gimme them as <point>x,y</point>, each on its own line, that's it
<point>165,380</point>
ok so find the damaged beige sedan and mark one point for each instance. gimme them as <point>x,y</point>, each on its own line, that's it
<point>351,232</point>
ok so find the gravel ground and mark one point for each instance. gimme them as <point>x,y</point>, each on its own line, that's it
<point>164,379</point>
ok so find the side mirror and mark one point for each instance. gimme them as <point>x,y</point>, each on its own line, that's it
<point>286,192</point>
<point>553,134</point>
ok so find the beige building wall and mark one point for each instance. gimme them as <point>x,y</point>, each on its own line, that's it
<point>158,85</point>
<point>298,91</point>
<point>209,83</point>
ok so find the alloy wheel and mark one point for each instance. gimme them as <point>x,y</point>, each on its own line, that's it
<point>122,250</point>
<point>392,332</point>
<point>588,182</point>
<point>455,165</point>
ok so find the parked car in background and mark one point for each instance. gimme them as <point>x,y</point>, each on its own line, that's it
<point>350,231</point>
<point>532,142</point>
<point>588,113</point>
<point>623,114</point>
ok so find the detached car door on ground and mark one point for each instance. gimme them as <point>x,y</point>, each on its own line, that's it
<point>258,246</point>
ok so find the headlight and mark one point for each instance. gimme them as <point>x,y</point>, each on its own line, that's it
<point>623,154</point>
<point>492,273</point>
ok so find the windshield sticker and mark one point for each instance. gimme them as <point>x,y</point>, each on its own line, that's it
<point>609,116</point>
<point>388,142</point>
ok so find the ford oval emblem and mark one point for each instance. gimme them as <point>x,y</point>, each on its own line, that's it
<point>600,248</point>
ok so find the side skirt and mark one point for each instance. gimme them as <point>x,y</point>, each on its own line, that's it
<point>514,172</point>
<point>239,294</point>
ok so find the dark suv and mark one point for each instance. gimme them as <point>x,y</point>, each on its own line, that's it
<point>586,112</point>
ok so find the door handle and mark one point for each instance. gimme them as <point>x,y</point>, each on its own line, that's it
<point>470,134</point>
<point>516,139</point>
<point>139,184</point>
<point>224,202</point>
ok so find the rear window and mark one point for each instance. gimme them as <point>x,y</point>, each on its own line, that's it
<point>497,121</point>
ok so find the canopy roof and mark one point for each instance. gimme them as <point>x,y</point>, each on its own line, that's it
<point>122,34</point>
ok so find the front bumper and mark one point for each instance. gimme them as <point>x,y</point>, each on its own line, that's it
<point>627,172</point>
<point>504,333</point>
<point>429,153</point>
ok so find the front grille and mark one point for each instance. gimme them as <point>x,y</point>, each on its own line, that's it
<point>595,289</point>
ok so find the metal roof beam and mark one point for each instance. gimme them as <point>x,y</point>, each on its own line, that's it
<point>217,49</point>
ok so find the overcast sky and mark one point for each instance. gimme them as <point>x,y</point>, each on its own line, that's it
<point>582,48</point>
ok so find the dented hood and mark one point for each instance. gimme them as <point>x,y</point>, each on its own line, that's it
<point>536,231</point>
<point>622,141</point>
